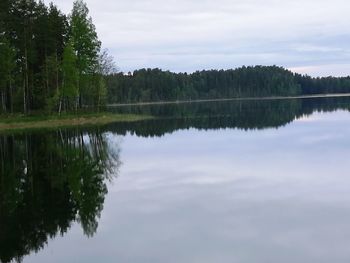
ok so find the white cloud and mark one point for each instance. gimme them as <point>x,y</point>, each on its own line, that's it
<point>185,35</point>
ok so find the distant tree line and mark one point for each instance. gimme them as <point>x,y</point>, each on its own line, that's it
<point>258,81</point>
<point>48,60</point>
<point>323,85</point>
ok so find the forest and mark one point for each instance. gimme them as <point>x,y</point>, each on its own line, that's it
<point>50,61</point>
<point>257,81</point>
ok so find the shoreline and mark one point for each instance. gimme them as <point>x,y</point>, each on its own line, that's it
<point>21,122</point>
<point>313,96</point>
<point>13,123</point>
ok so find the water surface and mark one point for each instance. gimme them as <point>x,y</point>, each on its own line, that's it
<point>213,182</point>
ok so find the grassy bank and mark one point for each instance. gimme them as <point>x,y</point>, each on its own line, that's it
<point>21,122</point>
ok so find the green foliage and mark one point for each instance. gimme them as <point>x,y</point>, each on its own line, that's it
<point>84,37</point>
<point>259,81</point>
<point>52,102</point>
<point>6,61</point>
<point>323,85</point>
<point>70,73</point>
<point>86,44</point>
<point>158,85</point>
<point>43,66</point>
<point>52,61</point>
<point>7,64</point>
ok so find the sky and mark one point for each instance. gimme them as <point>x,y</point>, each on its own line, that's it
<point>307,36</point>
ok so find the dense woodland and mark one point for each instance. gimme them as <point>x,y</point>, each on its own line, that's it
<point>258,81</point>
<point>48,60</point>
<point>52,62</point>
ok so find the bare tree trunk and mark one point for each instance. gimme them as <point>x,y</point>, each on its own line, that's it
<point>26,78</point>
<point>11,95</point>
<point>3,102</point>
<point>99,101</point>
<point>47,76</point>
<point>60,96</point>
<point>60,106</point>
<point>57,86</point>
<point>78,102</point>
<point>24,97</point>
<point>79,91</point>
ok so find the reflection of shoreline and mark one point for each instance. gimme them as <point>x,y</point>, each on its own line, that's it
<point>52,122</point>
<point>245,115</point>
<point>314,96</point>
<point>47,182</point>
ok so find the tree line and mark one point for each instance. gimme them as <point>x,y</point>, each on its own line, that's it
<point>53,62</point>
<point>48,60</point>
<point>258,81</point>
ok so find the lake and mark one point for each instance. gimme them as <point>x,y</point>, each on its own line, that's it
<point>242,181</point>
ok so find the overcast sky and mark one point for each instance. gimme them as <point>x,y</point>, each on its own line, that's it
<point>307,36</point>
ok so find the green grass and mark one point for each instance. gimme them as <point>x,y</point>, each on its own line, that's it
<point>37,121</point>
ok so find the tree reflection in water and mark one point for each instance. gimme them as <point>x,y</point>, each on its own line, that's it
<point>47,182</point>
<point>243,114</point>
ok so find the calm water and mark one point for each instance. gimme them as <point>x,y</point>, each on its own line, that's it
<point>215,182</point>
